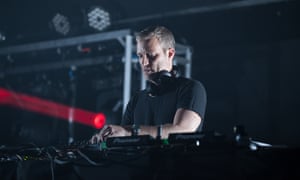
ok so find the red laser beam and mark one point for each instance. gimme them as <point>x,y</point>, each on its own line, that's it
<point>50,108</point>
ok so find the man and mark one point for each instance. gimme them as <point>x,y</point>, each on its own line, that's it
<point>170,104</point>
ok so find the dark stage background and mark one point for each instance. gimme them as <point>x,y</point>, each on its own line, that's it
<point>246,53</point>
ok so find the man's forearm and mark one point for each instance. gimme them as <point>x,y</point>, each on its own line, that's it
<point>166,129</point>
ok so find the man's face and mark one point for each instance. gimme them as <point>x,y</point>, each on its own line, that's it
<point>152,57</point>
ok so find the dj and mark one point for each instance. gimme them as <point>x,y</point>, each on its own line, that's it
<point>170,104</point>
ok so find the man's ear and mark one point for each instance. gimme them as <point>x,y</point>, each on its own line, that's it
<point>171,53</point>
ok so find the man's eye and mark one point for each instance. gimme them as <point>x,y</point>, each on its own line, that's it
<point>150,56</point>
<point>139,56</point>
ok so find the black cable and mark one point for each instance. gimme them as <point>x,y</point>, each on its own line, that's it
<point>52,168</point>
<point>88,159</point>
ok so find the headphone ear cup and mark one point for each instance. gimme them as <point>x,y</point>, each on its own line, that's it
<point>152,89</point>
<point>162,81</point>
<point>175,72</point>
<point>160,77</point>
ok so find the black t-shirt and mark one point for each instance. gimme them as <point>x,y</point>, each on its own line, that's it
<point>144,109</point>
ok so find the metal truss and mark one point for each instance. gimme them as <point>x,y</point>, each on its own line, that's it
<point>124,37</point>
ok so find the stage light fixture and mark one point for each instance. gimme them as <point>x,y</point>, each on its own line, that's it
<point>98,18</point>
<point>99,120</point>
<point>61,24</point>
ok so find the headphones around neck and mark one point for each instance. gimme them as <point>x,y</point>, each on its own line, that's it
<point>161,82</point>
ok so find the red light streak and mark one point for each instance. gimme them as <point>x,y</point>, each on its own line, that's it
<point>50,108</point>
<point>99,121</point>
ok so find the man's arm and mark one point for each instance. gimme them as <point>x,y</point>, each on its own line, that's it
<point>184,121</point>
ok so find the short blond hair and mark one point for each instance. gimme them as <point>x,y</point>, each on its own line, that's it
<point>164,36</point>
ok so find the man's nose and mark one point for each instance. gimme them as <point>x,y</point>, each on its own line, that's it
<point>144,61</point>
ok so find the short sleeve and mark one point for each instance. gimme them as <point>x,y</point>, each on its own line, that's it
<point>192,96</point>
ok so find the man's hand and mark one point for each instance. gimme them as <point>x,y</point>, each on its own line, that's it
<point>118,131</point>
<point>109,131</point>
<point>101,135</point>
